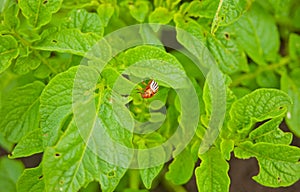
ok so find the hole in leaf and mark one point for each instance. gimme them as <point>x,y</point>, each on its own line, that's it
<point>45,2</point>
<point>125,76</point>
<point>194,17</point>
<point>57,154</point>
<point>61,182</point>
<point>222,18</point>
<point>279,179</point>
<point>111,174</point>
<point>54,41</point>
<point>41,177</point>
<point>227,35</point>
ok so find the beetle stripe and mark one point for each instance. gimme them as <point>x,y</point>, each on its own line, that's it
<point>153,86</point>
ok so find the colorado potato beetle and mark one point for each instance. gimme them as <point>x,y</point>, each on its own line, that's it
<point>150,89</point>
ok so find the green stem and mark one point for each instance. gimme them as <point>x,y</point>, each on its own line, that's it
<point>169,186</point>
<point>134,179</point>
<point>284,61</point>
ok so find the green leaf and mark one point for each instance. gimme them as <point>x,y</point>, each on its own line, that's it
<point>6,145</point>
<point>280,8</point>
<point>26,63</point>
<point>71,164</point>
<point>268,79</point>
<point>190,26</point>
<point>30,144</point>
<point>11,16</point>
<point>139,10</point>
<point>171,4</point>
<point>39,12</point>
<point>56,104</point>
<point>183,161</point>
<point>74,161</point>
<point>84,21</point>
<point>258,35</point>
<point>257,106</point>
<point>278,164</point>
<point>67,41</point>
<point>160,15</point>
<point>10,171</point>
<point>294,47</point>
<point>20,110</point>
<point>206,9</point>
<point>228,54</point>
<point>269,132</point>
<point>149,174</point>
<point>105,12</point>
<point>31,180</point>
<point>212,174</point>
<point>295,18</point>
<point>227,147</point>
<point>8,51</point>
<point>290,84</point>
<point>42,72</point>
<point>155,63</point>
<point>240,91</point>
<point>228,12</point>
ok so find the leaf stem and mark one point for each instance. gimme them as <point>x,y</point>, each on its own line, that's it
<point>134,179</point>
<point>284,61</point>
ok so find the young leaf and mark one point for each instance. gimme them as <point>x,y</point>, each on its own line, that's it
<point>139,10</point>
<point>278,163</point>
<point>269,132</point>
<point>257,106</point>
<point>8,51</point>
<point>10,171</point>
<point>212,174</point>
<point>183,161</point>
<point>258,35</point>
<point>20,111</point>
<point>26,63</point>
<point>105,12</point>
<point>30,144</point>
<point>160,15</point>
<point>31,180</point>
<point>39,12</point>
<point>71,164</point>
